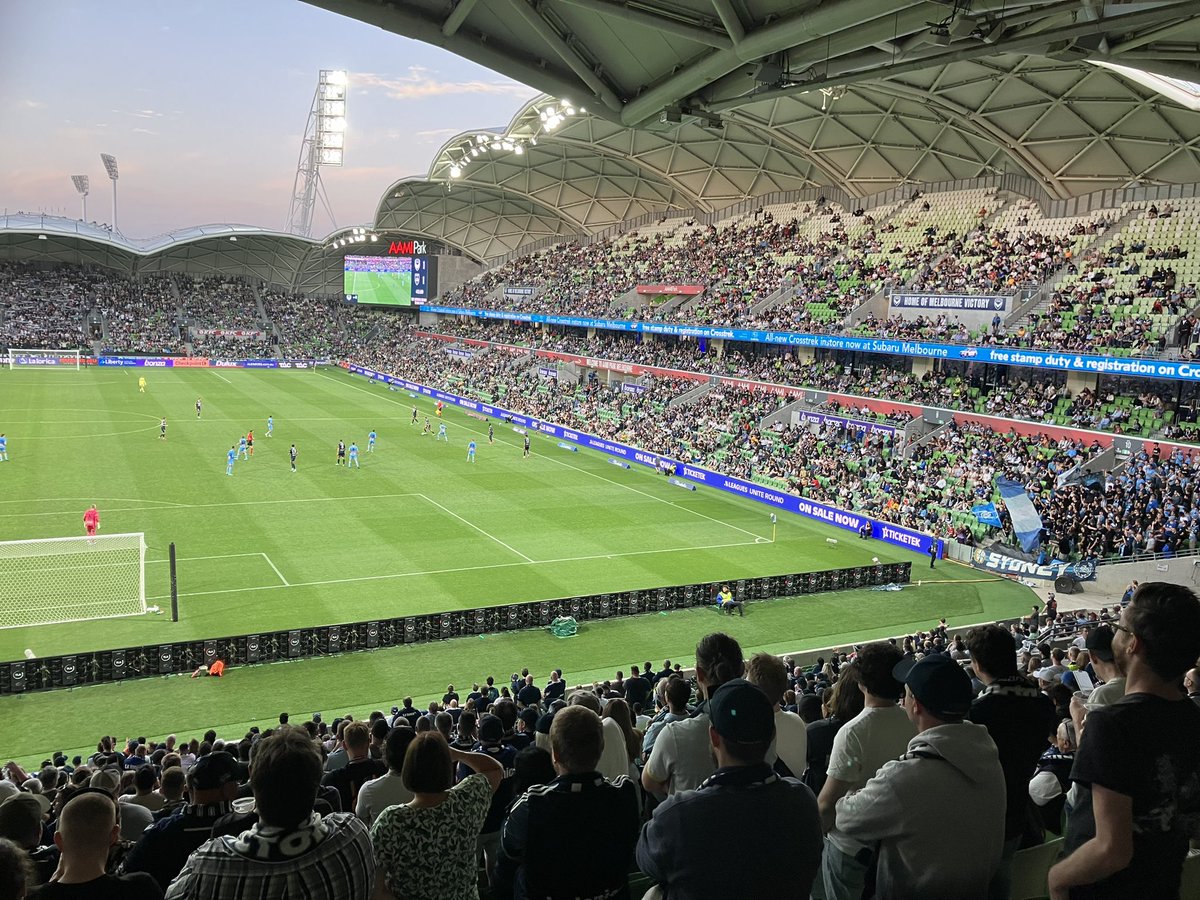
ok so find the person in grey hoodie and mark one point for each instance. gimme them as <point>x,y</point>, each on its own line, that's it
<point>950,764</point>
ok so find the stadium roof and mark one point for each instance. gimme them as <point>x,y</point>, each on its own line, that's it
<point>272,256</point>
<point>703,103</point>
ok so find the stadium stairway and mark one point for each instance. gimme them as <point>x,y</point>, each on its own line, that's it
<point>695,393</point>
<point>1041,298</point>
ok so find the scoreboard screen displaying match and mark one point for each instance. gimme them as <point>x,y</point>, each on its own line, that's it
<point>400,280</point>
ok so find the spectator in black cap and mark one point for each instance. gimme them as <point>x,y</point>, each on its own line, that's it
<point>21,818</point>
<point>950,764</point>
<point>676,845</point>
<point>525,734</point>
<point>165,846</point>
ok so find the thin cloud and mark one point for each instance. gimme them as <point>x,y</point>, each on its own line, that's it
<point>437,133</point>
<point>144,131</point>
<point>419,83</point>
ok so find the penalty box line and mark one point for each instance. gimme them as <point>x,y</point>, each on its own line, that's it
<point>561,462</point>
<point>274,568</point>
<point>450,571</point>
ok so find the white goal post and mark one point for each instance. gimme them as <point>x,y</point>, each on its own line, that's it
<point>46,581</point>
<point>44,359</point>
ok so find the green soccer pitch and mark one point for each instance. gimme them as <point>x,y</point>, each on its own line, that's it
<point>383,288</point>
<point>416,529</point>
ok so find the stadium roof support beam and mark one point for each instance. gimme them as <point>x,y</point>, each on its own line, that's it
<point>870,20</point>
<point>729,18</point>
<point>873,69</point>
<point>636,16</point>
<point>400,19</point>
<point>566,53</point>
<point>457,16</point>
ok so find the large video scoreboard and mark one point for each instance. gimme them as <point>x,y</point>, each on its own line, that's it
<point>406,276</point>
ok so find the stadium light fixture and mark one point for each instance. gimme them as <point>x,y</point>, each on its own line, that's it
<point>82,184</point>
<point>110,166</point>
<point>455,172</point>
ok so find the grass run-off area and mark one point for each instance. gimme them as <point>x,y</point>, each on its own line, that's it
<point>416,529</point>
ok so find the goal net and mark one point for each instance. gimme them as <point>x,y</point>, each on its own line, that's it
<point>72,579</point>
<point>44,359</point>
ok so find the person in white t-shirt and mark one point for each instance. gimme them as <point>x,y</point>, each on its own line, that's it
<point>877,735</point>
<point>790,745</point>
<point>387,790</point>
<point>681,758</point>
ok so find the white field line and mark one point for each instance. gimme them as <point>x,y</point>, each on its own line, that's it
<point>276,569</point>
<point>395,575</point>
<point>627,487</point>
<point>477,528</point>
<point>222,377</point>
<point>212,505</point>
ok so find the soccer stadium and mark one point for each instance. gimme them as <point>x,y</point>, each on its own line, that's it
<point>790,413</point>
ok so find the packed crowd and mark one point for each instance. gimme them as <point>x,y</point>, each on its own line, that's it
<point>531,789</point>
<point>42,308</point>
<point>762,273</point>
<point>1030,395</point>
<point>308,327</point>
<point>931,487</point>
<point>141,316</point>
<point>219,301</point>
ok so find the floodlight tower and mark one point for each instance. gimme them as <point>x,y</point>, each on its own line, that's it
<point>323,145</point>
<point>81,185</point>
<point>110,166</point>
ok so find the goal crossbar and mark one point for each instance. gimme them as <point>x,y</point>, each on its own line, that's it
<point>46,581</point>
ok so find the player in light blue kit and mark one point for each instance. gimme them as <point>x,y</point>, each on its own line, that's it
<point>441,435</point>
<point>270,425</point>
<point>471,452</point>
<point>353,456</point>
<point>3,448</point>
<point>243,448</point>
<point>371,441</point>
<point>230,459</point>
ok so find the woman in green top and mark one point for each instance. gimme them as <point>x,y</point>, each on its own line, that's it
<point>426,848</point>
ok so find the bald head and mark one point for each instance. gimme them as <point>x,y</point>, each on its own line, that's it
<point>87,826</point>
<point>1191,681</point>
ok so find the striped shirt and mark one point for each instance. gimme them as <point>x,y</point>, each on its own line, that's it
<point>325,859</point>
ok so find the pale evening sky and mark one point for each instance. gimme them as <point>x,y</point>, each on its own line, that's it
<point>204,104</point>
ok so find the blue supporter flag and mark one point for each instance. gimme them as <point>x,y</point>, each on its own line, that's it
<point>986,514</point>
<point>1025,519</point>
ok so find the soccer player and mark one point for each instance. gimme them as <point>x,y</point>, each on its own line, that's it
<point>230,459</point>
<point>162,428</point>
<point>491,434</point>
<point>91,522</point>
<point>353,456</point>
<point>199,403</point>
<point>270,425</point>
<point>414,418</point>
<point>441,435</point>
<point>142,385</point>
<point>250,441</point>
<point>471,452</point>
<point>440,406</point>
<point>371,441</point>
<point>242,451</point>
<point>426,429</point>
<point>293,453</point>
<point>525,453</point>
<point>3,447</point>
<point>341,456</point>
